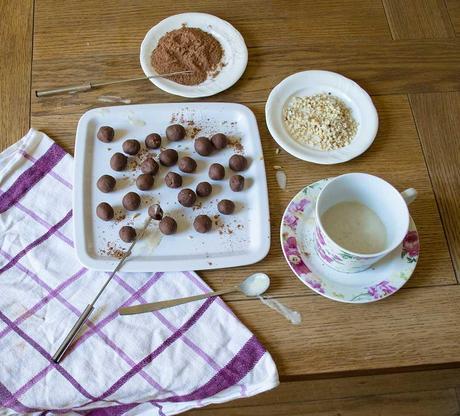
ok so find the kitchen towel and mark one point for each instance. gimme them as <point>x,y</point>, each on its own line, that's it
<point>160,363</point>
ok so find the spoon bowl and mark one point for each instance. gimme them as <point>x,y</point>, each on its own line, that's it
<point>255,284</point>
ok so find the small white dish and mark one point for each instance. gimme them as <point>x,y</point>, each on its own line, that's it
<point>234,61</point>
<point>308,83</point>
<point>297,241</point>
<point>236,240</point>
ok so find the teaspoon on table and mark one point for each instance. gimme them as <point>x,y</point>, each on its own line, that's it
<point>253,285</point>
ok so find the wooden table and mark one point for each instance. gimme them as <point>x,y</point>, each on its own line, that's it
<point>406,54</point>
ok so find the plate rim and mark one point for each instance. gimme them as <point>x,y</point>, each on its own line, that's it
<point>325,159</point>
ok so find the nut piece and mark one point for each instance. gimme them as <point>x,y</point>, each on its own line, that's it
<point>104,211</point>
<point>168,225</point>
<point>202,224</point>
<point>236,183</point>
<point>153,141</point>
<point>216,171</point>
<point>144,182</point>
<point>168,157</point>
<point>226,207</point>
<point>203,189</point>
<point>203,146</point>
<point>186,197</point>
<point>175,132</point>
<point>118,161</point>
<point>131,201</point>
<point>219,141</point>
<point>238,163</point>
<point>127,234</point>
<point>155,212</point>
<point>105,134</point>
<point>173,180</point>
<point>187,164</point>
<point>149,166</point>
<point>131,147</point>
<point>106,183</point>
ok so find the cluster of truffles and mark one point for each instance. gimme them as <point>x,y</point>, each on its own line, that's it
<point>169,157</point>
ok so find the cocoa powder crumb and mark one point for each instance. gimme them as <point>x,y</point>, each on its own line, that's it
<point>188,49</point>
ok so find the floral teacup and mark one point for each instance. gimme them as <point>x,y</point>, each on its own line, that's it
<point>378,195</point>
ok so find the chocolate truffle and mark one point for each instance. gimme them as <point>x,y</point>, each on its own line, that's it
<point>238,163</point>
<point>104,211</point>
<point>216,171</point>
<point>226,206</point>
<point>202,223</point>
<point>118,162</point>
<point>153,141</point>
<point>236,183</point>
<point>187,164</point>
<point>168,225</point>
<point>173,180</point>
<point>155,212</point>
<point>219,141</point>
<point>127,234</point>
<point>168,157</point>
<point>203,146</point>
<point>131,147</point>
<point>175,132</point>
<point>144,182</point>
<point>149,166</point>
<point>106,183</point>
<point>186,197</point>
<point>105,134</point>
<point>131,201</point>
<point>203,189</point>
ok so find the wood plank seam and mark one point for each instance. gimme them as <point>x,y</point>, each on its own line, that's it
<point>451,254</point>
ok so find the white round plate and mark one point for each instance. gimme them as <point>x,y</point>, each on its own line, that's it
<point>383,279</point>
<point>314,82</point>
<point>234,61</point>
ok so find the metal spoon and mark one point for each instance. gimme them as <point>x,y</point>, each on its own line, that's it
<point>253,285</point>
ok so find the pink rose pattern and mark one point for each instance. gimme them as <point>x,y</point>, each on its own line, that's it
<point>411,246</point>
<point>380,290</point>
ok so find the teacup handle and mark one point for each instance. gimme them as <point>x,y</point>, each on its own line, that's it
<point>409,195</point>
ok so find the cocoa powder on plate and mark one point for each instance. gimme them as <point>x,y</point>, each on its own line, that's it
<point>188,49</point>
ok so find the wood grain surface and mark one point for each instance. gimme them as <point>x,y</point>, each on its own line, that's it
<point>407,59</point>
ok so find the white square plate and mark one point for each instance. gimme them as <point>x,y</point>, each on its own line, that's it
<point>238,239</point>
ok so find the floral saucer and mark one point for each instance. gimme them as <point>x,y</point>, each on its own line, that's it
<point>383,279</point>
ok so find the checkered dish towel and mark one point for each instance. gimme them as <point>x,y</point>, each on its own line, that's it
<point>160,363</point>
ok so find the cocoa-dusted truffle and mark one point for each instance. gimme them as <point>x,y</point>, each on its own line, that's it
<point>150,166</point>
<point>144,182</point>
<point>187,164</point>
<point>202,223</point>
<point>203,189</point>
<point>105,134</point>
<point>131,201</point>
<point>106,183</point>
<point>236,183</point>
<point>118,161</point>
<point>226,207</point>
<point>175,132</point>
<point>238,163</point>
<point>186,197</point>
<point>168,157</point>
<point>216,171</point>
<point>168,225</point>
<point>153,141</point>
<point>219,141</point>
<point>203,146</point>
<point>104,211</point>
<point>155,212</point>
<point>131,147</point>
<point>173,180</point>
<point>127,234</point>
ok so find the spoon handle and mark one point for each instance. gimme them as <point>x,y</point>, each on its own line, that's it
<point>155,306</point>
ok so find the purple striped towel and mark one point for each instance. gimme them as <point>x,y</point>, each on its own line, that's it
<point>161,363</point>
